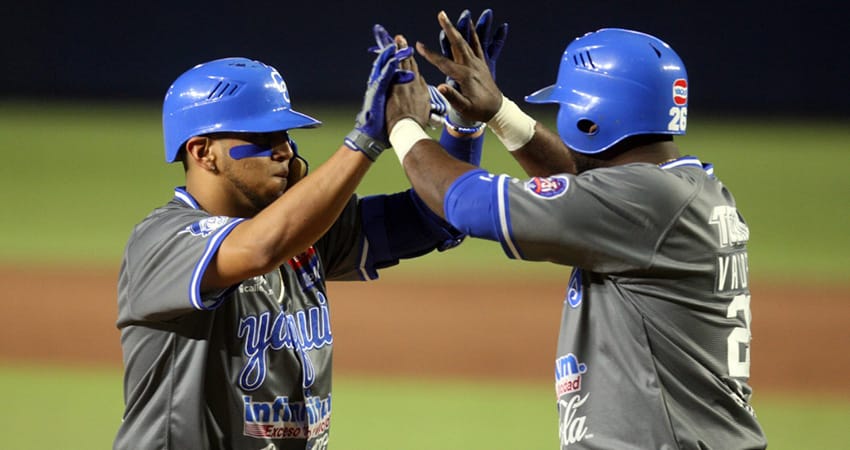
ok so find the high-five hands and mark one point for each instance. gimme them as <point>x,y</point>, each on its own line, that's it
<point>439,106</point>
<point>470,89</point>
<point>370,132</point>
<point>409,100</point>
<point>491,41</point>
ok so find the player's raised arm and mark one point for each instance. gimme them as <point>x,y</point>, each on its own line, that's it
<point>467,59</point>
<point>285,227</point>
<point>431,170</point>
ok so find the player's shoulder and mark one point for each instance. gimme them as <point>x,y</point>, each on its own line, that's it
<point>173,215</point>
<point>644,182</point>
<point>645,174</point>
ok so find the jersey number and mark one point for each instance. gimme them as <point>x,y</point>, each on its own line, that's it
<point>679,119</point>
<point>738,341</point>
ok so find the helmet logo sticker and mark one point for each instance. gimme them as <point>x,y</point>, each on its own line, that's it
<point>281,85</point>
<point>680,91</point>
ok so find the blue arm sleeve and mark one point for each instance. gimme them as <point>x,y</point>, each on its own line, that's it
<point>401,226</point>
<point>464,149</point>
<point>477,205</point>
<point>471,205</point>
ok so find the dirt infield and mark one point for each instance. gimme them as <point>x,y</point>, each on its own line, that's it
<point>452,329</point>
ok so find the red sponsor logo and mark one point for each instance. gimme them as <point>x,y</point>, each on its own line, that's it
<point>680,92</point>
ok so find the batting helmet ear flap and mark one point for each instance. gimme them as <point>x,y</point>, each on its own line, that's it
<point>298,166</point>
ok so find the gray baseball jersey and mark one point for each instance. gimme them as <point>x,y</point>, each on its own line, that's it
<point>262,347</point>
<point>654,343</point>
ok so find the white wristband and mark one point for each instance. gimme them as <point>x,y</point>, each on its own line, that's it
<point>512,126</point>
<point>405,133</point>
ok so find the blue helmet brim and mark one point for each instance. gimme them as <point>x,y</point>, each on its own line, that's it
<point>545,95</point>
<point>278,120</point>
<point>290,119</point>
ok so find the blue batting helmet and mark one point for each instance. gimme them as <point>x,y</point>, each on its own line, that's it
<point>230,94</point>
<point>616,83</point>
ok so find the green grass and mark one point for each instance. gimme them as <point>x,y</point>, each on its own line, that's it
<point>82,408</point>
<point>77,177</point>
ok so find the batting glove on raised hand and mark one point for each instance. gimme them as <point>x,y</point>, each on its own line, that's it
<point>491,44</point>
<point>439,105</point>
<point>370,132</point>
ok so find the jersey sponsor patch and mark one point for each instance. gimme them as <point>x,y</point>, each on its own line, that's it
<point>568,373</point>
<point>306,265</point>
<point>680,92</point>
<point>286,419</point>
<point>549,187</point>
<point>206,227</point>
<point>572,427</point>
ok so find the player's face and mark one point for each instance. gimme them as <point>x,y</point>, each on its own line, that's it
<point>256,166</point>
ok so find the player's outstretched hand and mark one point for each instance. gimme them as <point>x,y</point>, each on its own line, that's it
<point>412,99</point>
<point>370,133</point>
<point>476,97</point>
<point>492,41</point>
<point>440,107</point>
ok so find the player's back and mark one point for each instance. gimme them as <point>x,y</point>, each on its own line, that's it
<point>654,343</point>
<point>656,352</point>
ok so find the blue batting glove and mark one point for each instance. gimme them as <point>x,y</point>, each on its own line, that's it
<point>491,43</point>
<point>370,132</point>
<point>382,39</point>
<point>439,105</point>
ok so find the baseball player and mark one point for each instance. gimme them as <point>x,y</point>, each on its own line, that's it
<point>223,310</point>
<point>654,344</point>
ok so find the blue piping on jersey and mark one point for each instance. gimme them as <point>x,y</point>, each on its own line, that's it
<point>212,246</point>
<point>181,194</point>
<point>689,161</point>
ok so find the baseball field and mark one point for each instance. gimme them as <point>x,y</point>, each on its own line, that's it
<point>450,351</point>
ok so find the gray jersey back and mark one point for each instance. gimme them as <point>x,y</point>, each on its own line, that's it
<point>654,344</point>
<point>262,348</point>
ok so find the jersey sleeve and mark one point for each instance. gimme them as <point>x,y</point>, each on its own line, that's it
<point>606,220</point>
<point>164,262</point>
<point>386,228</point>
<point>340,248</point>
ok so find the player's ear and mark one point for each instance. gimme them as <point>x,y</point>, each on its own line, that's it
<point>198,153</point>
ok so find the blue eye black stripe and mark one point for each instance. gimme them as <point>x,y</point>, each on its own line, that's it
<point>249,151</point>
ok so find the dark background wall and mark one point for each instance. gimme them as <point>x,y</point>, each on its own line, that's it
<point>772,58</point>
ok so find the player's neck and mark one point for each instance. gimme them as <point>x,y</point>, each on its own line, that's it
<point>654,153</point>
<point>214,198</point>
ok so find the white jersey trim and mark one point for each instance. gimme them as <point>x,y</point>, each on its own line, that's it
<point>185,197</point>
<point>364,255</point>
<point>503,216</point>
<point>213,243</point>
<point>195,284</point>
